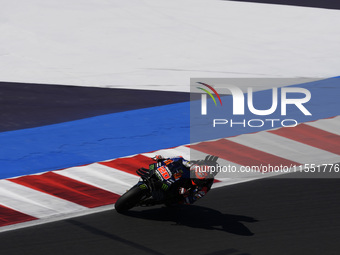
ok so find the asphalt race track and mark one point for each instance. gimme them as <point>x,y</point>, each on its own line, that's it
<point>269,216</point>
<point>32,105</point>
<point>328,4</point>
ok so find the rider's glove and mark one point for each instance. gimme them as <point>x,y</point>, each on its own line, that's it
<point>209,160</point>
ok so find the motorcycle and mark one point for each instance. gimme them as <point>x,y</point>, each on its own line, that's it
<point>165,182</point>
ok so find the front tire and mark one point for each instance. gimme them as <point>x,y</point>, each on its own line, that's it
<point>129,199</point>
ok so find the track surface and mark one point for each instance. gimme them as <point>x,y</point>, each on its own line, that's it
<point>269,216</point>
<point>328,4</point>
<point>32,105</point>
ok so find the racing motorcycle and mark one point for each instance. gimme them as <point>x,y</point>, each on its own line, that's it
<point>165,182</point>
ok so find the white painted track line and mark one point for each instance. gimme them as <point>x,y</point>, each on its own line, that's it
<point>101,176</point>
<point>178,151</point>
<point>330,125</point>
<point>286,148</point>
<point>34,203</point>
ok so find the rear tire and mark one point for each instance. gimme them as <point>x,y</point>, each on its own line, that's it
<point>129,199</point>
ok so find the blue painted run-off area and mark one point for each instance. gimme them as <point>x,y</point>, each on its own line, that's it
<point>121,134</point>
<point>93,139</point>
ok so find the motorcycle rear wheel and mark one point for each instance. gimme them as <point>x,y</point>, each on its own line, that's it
<point>129,199</point>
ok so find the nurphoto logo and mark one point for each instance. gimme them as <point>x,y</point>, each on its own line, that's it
<point>238,107</point>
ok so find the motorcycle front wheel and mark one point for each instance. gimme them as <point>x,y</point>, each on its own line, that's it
<point>129,199</point>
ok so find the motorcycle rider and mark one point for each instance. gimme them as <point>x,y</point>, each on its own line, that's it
<point>192,180</point>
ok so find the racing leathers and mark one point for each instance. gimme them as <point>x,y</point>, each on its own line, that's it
<point>180,188</point>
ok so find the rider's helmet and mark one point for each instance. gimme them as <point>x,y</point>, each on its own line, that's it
<point>200,174</point>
